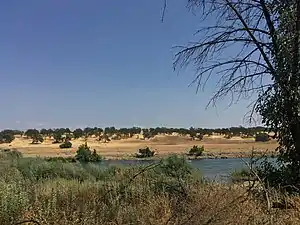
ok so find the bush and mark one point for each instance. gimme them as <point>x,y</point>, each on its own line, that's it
<point>66,144</point>
<point>145,153</point>
<point>262,137</point>
<point>242,175</point>
<point>175,166</point>
<point>84,154</point>
<point>196,151</point>
<point>10,154</point>
<point>61,159</point>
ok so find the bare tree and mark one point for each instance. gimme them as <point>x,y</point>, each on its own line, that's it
<point>252,48</point>
<point>238,48</point>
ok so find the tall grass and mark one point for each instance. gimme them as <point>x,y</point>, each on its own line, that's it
<point>170,192</point>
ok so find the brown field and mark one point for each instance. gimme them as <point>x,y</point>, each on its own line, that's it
<point>164,145</point>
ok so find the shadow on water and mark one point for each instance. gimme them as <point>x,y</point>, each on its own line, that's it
<point>213,169</point>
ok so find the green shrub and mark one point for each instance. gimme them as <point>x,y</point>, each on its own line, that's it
<point>196,151</point>
<point>262,137</point>
<point>14,202</point>
<point>84,154</point>
<point>61,159</point>
<point>242,175</point>
<point>175,166</point>
<point>66,144</point>
<point>40,169</point>
<point>10,154</point>
<point>145,153</point>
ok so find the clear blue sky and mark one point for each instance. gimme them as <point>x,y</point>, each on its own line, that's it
<point>76,63</point>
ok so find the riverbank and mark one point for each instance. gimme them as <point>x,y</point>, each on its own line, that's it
<point>170,193</point>
<point>126,149</point>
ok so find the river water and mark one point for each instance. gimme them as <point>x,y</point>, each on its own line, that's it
<point>215,169</point>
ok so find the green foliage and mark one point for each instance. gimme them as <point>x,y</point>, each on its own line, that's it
<point>37,138</point>
<point>84,154</point>
<point>145,153</point>
<point>10,154</point>
<point>175,166</point>
<point>196,151</point>
<point>14,201</point>
<point>66,144</point>
<point>262,137</point>
<point>242,175</point>
<point>78,133</point>
<point>6,136</point>
<point>58,138</point>
<point>61,159</point>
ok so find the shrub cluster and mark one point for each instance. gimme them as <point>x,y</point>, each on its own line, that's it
<point>66,144</point>
<point>196,151</point>
<point>262,137</point>
<point>145,153</point>
<point>84,154</point>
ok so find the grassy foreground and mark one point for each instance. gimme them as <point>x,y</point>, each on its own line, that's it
<point>54,192</point>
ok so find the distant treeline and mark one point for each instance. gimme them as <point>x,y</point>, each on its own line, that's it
<point>8,135</point>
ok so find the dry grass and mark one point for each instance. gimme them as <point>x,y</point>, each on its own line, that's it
<point>65,194</point>
<point>163,145</point>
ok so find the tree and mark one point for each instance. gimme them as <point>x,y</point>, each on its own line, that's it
<point>44,132</point>
<point>260,41</point>
<point>6,136</point>
<point>78,133</point>
<point>58,138</point>
<point>36,138</point>
<point>35,135</point>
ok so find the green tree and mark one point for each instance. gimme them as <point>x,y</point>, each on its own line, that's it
<point>78,133</point>
<point>58,138</point>
<point>44,132</point>
<point>37,138</point>
<point>6,136</point>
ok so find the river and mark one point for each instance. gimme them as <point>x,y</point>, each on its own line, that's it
<point>215,169</point>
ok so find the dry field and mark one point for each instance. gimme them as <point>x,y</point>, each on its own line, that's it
<point>164,145</point>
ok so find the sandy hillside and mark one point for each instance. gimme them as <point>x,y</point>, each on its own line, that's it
<point>163,144</point>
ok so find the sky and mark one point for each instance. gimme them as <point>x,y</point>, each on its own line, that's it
<point>76,63</point>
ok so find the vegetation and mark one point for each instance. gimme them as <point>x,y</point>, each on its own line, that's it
<point>35,135</point>
<point>262,137</point>
<point>58,138</point>
<point>262,40</point>
<point>6,136</point>
<point>84,154</point>
<point>196,151</point>
<point>242,175</point>
<point>145,153</point>
<point>66,144</point>
<point>60,134</point>
<point>168,192</point>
